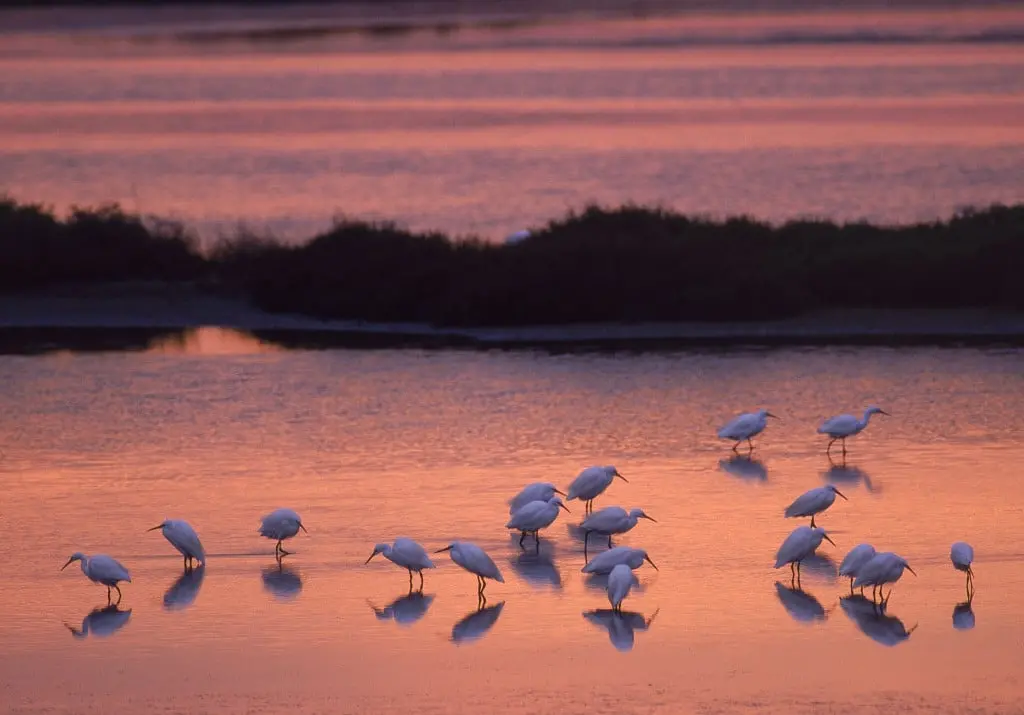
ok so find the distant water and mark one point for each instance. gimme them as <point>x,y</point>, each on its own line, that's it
<point>492,122</point>
<point>370,445</point>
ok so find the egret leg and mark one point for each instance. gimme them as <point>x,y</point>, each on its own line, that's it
<point>735,446</point>
<point>750,445</point>
<point>421,580</point>
<point>108,595</point>
<point>828,449</point>
<point>410,580</point>
<point>851,585</point>
<point>812,521</point>
<point>609,541</point>
<point>536,541</point>
<point>522,535</point>
<point>844,447</point>
<point>118,589</point>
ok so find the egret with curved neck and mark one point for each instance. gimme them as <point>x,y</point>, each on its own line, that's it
<point>840,427</point>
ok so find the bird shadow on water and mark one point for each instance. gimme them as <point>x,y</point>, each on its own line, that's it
<point>800,605</point>
<point>101,622</point>
<point>621,625</point>
<point>538,570</point>
<point>405,609</point>
<point>963,616</point>
<point>599,582</point>
<point>873,622</point>
<point>820,567</point>
<point>182,593</point>
<point>843,474</point>
<point>474,625</point>
<point>282,582</point>
<point>745,467</point>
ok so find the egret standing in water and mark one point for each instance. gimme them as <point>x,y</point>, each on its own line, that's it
<point>184,538</point>
<point>883,568</point>
<point>611,520</point>
<point>538,491</point>
<point>407,554</point>
<point>604,563</point>
<point>475,560</point>
<point>842,426</point>
<point>590,483</point>
<point>103,570</point>
<point>744,427</point>
<point>800,544</point>
<point>281,524</point>
<point>962,555</point>
<point>532,517</point>
<point>620,582</point>
<point>813,501</point>
<point>858,556</point>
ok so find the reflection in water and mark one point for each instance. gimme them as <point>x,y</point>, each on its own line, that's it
<point>183,592</point>
<point>282,581</point>
<point>476,624</point>
<point>821,566</point>
<point>872,621</point>
<point>101,622</point>
<point>847,474</point>
<point>599,582</point>
<point>799,604</point>
<point>621,625</point>
<point>744,467</point>
<point>963,616</point>
<point>405,610</point>
<point>538,570</point>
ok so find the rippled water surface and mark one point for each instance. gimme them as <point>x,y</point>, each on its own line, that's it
<point>887,115</point>
<point>370,445</point>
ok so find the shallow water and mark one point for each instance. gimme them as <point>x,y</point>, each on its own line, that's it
<point>885,115</point>
<point>370,445</point>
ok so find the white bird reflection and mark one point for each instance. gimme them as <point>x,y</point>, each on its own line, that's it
<point>821,566</point>
<point>963,616</point>
<point>621,625</point>
<point>799,604</point>
<point>847,474</point>
<point>538,570</point>
<point>476,624</point>
<point>744,467</point>
<point>405,610</point>
<point>283,582</point>
<point>101,622</point>
<point>599,582</point>
<point>184,590</point>
<point>870,618</point>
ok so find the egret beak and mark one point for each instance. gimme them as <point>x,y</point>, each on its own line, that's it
<point>769,414</point>
<point>839,493</point>
<point>368,561</point>
<point>621,477</point>
<point>911,570</point>
<point>559,491</point>
<point>67,564</point>
<point>883,412</point>
<point>158,526</point>
<point>564,507</point>
<point>825,536</point>
<point>644,516</point>
<point>446,548</point>
<point>648,560</point>
<point>302,527</point>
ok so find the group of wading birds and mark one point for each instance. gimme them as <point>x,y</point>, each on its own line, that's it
<point>537,506</point>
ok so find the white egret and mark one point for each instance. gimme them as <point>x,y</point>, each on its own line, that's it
<point>532,517</point>
<point>591,482</point>
<point>842,426</point>
<point>475,560</point>
<point>605,562</point>
<point>814,501</point>
<point>745,426</point>
<point>885,567</point>
<point>611,520</point>
<point>858,556</point>
<point>101,622</point>
<point>620,581</point>
<point>962,555</point>
<point>184,538</point>
<point>281,524</point>
<point>101,569</point>
<point>800,544</point>
<point>407,554</point>
<point>538,491</point>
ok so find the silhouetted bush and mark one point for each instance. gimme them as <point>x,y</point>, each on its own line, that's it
<point>639,264</point>
<point>91,245</point>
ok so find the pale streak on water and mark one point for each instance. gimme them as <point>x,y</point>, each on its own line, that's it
<point>881,115</point>
<point>369,445</point>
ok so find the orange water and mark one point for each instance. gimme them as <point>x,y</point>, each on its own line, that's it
<point>370,445</point>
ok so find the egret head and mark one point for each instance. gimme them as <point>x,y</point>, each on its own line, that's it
<point>77,556</point>
<point>875,410</point>
<point>906,565</point>
<point>824,535</point>
<point>639,514</point>
<point>648,560</point>
<point>839,493</point>
<point>558,502</point>
<point>766,413</point>
<point>378,549</point>
<point>615,473</point>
